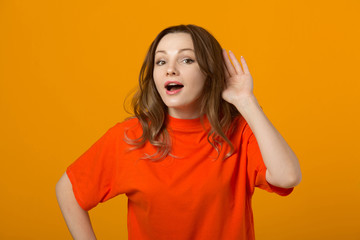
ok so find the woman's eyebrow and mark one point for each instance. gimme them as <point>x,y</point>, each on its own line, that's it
<point>181,50</point>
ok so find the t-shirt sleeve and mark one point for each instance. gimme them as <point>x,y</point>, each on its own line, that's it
<point>93,174</point>
<point>257,169</point>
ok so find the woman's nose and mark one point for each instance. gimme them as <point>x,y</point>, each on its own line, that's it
<point>170,73</point>
<point>171,70</point>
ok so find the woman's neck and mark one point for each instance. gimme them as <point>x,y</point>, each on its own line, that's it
<point>177,113</point>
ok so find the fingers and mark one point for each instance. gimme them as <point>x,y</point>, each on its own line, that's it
<point>245,66</point>
<point>236,69</point>
<point>236,63</point>
<point>230,69</point>
<point>227,75</point>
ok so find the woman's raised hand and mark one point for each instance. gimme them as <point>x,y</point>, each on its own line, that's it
<point>239,83</point>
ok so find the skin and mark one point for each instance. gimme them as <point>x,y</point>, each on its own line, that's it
<point>171,63</point>
<point>77,219</point>
<point>283,168</point>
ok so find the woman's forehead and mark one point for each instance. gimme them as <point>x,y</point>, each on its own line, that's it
<point>175,42</point>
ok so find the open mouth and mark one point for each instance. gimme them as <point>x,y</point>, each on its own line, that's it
<point>173,86</point>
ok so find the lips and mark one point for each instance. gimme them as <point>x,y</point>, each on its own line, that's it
<point>173,87</point>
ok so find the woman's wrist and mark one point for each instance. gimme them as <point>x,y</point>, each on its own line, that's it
<point>246,103</point>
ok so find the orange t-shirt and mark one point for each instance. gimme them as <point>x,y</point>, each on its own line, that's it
<point>189,196</point>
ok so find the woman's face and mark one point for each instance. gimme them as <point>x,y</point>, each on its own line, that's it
<point>177,75</point>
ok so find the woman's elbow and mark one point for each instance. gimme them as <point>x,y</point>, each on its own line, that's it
<point>293,181</point>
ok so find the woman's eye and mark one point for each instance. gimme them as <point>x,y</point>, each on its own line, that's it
<point>188,60</point>
<point>161,62</point>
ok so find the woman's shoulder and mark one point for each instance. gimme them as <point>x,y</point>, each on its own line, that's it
<point>127,123</point>
<point>239,121</point>
<point>241,126</point>
<point>130,124</point>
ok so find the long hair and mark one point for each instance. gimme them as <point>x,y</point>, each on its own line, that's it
<point>150,110</point>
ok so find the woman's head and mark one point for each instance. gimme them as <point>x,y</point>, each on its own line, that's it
<point>204,79</point>
<point>209,59</point>
<point>177,75</point>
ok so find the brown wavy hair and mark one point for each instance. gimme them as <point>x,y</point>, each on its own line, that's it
<point>150,110</point>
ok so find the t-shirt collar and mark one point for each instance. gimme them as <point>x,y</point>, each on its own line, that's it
<point>188,125</point>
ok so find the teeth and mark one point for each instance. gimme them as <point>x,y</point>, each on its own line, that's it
<point>173,84</point>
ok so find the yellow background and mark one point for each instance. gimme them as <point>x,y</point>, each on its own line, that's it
<point>67,66</point>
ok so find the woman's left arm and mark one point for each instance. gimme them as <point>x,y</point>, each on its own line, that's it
<point>283,168</point>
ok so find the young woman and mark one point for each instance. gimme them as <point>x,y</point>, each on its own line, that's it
<point>191,157</point>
